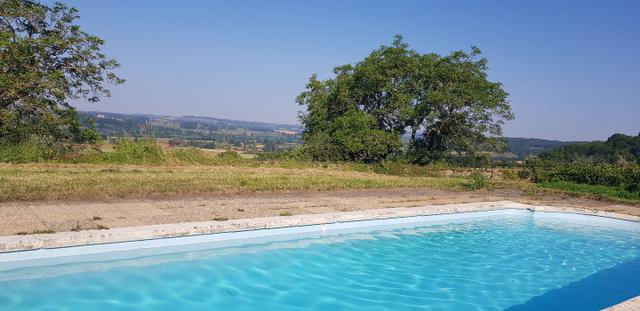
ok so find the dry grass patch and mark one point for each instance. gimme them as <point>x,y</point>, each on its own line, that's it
<point>57,181</point>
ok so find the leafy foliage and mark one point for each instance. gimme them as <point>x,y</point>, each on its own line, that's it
<point>523,147</point>
<point>47,60</point>
<point>479,181</point>
<point>618,149</point>
<point>595,191</point>
<point>32,150</point>
<point>230,156</point>
<point>626,177</point>
<point>445,102</point>
<point>125,150</point>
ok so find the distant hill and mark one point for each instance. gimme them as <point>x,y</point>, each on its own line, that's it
<point>522,147</point>
<point>197,131</point>
<point>212,132</point>
<point>617,149</point>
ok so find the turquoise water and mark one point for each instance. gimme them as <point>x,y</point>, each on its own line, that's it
<point>516,262</point>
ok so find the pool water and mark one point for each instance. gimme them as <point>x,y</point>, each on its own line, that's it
<point>517,261</point>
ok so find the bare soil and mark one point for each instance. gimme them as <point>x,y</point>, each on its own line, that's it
<point>56,216</point>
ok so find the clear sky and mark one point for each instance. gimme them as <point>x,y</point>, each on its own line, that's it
<point>572,68</point>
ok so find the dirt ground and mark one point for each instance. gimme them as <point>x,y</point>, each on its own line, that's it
<point>55,216</point>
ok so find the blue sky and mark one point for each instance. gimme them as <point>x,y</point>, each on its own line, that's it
<point>571,67</point>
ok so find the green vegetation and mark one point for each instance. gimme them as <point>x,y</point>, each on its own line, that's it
<point>594,191</point>
<point>142,168</point>
<point>398,118</point>
<point>129,151</point>
<point>59,181</point>
<point>261,138</point>
<point>618,149</point>
<point>479,181</point>
<point>445,102</point>
<point>523,147</point>
<point>199,132</point>
<point>47,60</point>
<point>32,150</point>
<point>626,177</point>
<point>597,180</point>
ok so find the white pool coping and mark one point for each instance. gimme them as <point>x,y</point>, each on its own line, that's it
<point>91,246</point>
<point>632,304</point>
<point>40,246</point>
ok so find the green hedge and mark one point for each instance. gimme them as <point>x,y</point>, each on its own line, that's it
<point>623,176</point>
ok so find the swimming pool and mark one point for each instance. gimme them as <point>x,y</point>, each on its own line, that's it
<point>510,259</point>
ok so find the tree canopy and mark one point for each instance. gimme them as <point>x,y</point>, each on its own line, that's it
<point>617,149</point>
<point>445,104</point>
<point>46,59</point>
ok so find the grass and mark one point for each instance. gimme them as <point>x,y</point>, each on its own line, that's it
<point>61,181</point>
<point>85,181</point>
<point>143,168</point>
<point>596,192</point>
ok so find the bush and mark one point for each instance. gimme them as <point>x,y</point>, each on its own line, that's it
<point>597,191</point>
<point>33,150</point>
<point>126,150</point>
<point>510,174</point>
<point>296,154</point>
<point>624,176</point>
<point>230,156</point>
<point>353,136</point>
<point>479,181</point>
<point>423,156</point>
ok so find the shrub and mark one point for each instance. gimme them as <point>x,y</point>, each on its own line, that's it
<point>295,154</point>
<point>510,174</point>
<point>229,157</point>
<point>479,181</point>
<point>624,176</point>
<point>126,150</point>
<point>353,136</point>
<point>33,150</point>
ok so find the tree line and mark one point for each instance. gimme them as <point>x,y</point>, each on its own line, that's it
<point>617,149</point>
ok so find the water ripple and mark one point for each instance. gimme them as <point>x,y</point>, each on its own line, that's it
<point>487,264</point>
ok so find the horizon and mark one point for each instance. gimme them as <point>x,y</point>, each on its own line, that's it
<point>569,67</point>
<point>298,125</point>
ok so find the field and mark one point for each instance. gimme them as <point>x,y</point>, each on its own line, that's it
<point>90,181</point>
<point>58,181</point>
<point>141,169</point>
<point>144,183</point>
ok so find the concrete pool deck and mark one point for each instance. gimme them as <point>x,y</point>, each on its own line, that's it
<point>34,249</point>
<point>125,234</point>
<point>61,216</point>
<point>632,304</point>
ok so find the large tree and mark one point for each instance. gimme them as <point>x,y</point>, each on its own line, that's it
<point>445,103</point>
<point>46,60</point>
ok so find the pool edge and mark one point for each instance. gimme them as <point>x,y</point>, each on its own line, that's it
<point>18,243</point>
<point>627,305</point>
